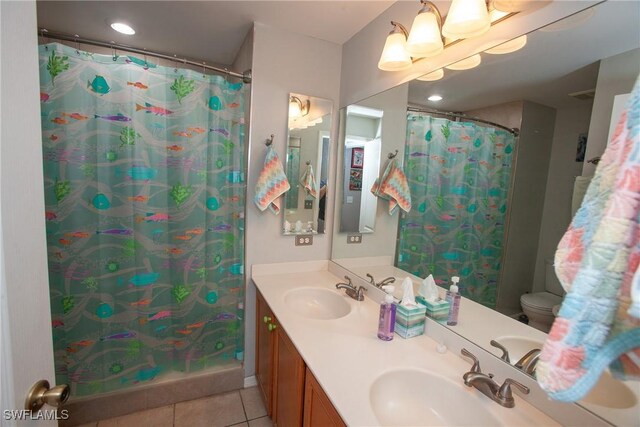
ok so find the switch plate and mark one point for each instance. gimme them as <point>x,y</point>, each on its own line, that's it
<point>354,238</point>
<point>304,239</point>
<point>308,204</point>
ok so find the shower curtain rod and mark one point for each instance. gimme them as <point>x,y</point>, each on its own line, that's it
<point>514,131</point>
<point>44,33</point>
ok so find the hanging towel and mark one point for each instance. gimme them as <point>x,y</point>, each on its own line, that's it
<point>308,182</point>
<point>393,186</point>
<point>597,263</point>
<point>272,183</point>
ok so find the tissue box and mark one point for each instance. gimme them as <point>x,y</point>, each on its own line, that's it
<point>410,320</point>
<point>438,310</point>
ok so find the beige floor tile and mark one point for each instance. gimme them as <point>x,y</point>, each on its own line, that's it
<point>261,422</point>
<point>252,401</point>
<point>220,410</point>
<point>245,424</point>
<point>157,417</point>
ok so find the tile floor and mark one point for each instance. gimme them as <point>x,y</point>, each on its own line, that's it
<point>243,408</point>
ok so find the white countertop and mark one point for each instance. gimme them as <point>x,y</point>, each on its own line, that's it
<point>346,356</point>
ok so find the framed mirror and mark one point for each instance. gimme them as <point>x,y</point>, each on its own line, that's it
<point>307,164</point>
<point>558,90</point>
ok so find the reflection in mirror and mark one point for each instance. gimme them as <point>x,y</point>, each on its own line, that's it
<point>307,164</point>
<point>558,89</point>
<point>362,142</point>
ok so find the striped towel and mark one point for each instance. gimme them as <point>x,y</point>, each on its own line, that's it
<point>393,186</point>
<point>308,182</point>
<point>272,183</point>
<point>597,262</point>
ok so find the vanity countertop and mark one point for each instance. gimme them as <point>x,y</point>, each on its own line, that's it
<point>346,356</point>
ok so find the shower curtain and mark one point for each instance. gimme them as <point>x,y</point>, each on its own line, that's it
<point>459,175</point>
<point>144,188</point>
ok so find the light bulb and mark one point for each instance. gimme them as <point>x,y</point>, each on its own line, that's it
<point>466,64</point>
<point>394,55</point>
<point>508,47</point>
<point>123,28</point>
<point>466,18</point>
<point>434,98</point>
<point>424,39</point>
<point>433,76</point>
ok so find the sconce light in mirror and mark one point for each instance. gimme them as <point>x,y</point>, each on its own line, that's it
<point>433,76</point>
<point>508,47</point>
<point>466,64</point>
<point>297,108</point>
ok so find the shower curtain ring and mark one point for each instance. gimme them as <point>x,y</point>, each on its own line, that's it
<point>75,38</point>
<point>175,61</point>
<point>203,69</point>
<point>44,40</point>
<point>114,55</point>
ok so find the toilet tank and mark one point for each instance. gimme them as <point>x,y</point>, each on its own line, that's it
<point>551,282</point>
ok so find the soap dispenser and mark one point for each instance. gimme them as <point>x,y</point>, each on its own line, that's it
<point>453,297</point>
<point>387,320</point>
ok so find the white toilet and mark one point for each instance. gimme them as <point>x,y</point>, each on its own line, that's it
<point>542,307</point>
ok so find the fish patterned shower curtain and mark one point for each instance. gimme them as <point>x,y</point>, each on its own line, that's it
<point>459,174</point>
<point>145,193</point>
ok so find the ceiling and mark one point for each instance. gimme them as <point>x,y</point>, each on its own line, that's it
<point>211,31</point>
<point>555,62</point>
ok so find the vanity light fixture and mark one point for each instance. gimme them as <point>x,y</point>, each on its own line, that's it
<point>466,18</point>
<point>297,108</point>
<point>434,98</point>
<point>509,46</point>
<point>466,64</point>
<point>433,76</point>
<point>123,28</point>
<point>394,55</point>
<point>424,38</point>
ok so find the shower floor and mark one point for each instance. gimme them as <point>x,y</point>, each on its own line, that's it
<point>243,408</point>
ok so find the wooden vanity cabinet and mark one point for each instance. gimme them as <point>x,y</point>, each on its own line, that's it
<point>318,410</point>
<point>265,352</point>
<point>288,388</point>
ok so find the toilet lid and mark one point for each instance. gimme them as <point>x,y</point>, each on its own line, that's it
<point>541,300</point>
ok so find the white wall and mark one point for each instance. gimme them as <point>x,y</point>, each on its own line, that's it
<point>394,127</point>
<point>617,75</point>
<point>528,189</point>
<point>563,168</point>
<point>283,62</point>
<point>26,334</point>
<point>361,77</point>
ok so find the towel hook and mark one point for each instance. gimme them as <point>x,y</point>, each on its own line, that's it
<point>392,155</point>
<point>269,141</point>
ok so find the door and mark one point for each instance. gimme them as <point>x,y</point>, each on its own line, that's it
<point>265,344</point>
<point>289,383</point>
<point>26,349</point>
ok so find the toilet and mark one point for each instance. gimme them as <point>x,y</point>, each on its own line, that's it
<point>542,307</point>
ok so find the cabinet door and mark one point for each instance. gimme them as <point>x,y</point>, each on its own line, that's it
<point>318,410</point>
<point>265,351</point>
<point>289,385</point>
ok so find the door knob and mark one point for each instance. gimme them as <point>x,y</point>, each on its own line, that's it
<point>271,327</point>
<point>41,393</point>
<point>266,319</point>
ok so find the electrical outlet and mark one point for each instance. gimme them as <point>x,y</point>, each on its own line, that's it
<point>354,238</point>
<point>308,204</point>
<point>304,239</point>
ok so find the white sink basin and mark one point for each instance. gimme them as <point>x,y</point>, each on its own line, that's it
<point>411,397</point>
<point>317,303</point>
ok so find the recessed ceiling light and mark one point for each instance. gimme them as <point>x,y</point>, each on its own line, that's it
<point>435,98</point>
<point>123,28</point>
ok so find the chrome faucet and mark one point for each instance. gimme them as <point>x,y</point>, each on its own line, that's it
<point>500,394</point>
<point>355,293</point>
<point>383,282</point>
<point>529,362</point>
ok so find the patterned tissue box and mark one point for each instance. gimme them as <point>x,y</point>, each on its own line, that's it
<point>410,320</point>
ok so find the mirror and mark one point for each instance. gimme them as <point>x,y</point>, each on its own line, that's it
<point>547,90</point>
<point>362,144</point>
<point>307,164</point>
